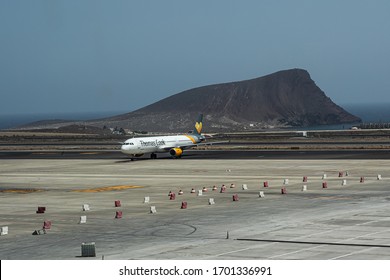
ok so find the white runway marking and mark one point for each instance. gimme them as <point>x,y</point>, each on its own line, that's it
<point>350,254</point>
<point>298,251</point>
<point>241,250</point>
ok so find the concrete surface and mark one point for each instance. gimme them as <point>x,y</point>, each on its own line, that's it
<point>339,222</point>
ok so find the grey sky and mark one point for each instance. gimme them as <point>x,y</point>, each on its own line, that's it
<point>86,56</point>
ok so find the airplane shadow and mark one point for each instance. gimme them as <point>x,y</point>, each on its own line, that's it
<point>124,161</point>
<point>128,160</point>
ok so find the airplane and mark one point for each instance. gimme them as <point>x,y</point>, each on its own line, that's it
<point>174,144</point>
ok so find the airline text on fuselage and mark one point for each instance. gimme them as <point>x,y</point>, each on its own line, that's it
<point>155,143</point>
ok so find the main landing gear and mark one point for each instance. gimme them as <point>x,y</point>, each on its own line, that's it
<point>153,156</point>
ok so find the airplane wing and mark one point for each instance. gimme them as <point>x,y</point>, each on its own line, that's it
<point>201,144</point>
<point>212,143</point>
<point>183,147</point>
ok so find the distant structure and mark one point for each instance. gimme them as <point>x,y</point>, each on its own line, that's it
<point>374,126</point>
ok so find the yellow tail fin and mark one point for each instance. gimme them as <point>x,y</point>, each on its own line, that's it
<point>199,125</point>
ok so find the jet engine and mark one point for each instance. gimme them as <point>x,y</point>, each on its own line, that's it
<point>176,152</point>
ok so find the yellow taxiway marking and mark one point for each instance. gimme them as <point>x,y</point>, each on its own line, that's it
<point>107,189</point>
<point>22,191</point>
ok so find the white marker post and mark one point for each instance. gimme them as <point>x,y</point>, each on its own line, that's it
<point>83,220</point>
<point>4,230</point>
<point>261,194</point>
<point>86,207</point>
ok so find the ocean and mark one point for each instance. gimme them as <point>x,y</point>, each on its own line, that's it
<point>370,112</point>
<point>15,120</point>
<point>367,112</point>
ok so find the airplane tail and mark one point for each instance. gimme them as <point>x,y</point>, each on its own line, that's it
<point>198,125</point>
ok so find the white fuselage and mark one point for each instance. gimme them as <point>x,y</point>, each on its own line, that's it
<point>159,144</point>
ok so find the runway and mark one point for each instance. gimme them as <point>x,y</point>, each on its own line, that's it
<point>203,154</point>
<point>348,221</point>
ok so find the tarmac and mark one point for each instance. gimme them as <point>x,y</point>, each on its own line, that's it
<point>350,221</point>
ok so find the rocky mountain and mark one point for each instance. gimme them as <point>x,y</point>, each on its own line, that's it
<point>284,98</point>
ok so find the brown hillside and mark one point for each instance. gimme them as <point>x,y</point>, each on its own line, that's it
<point>288,97</point>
